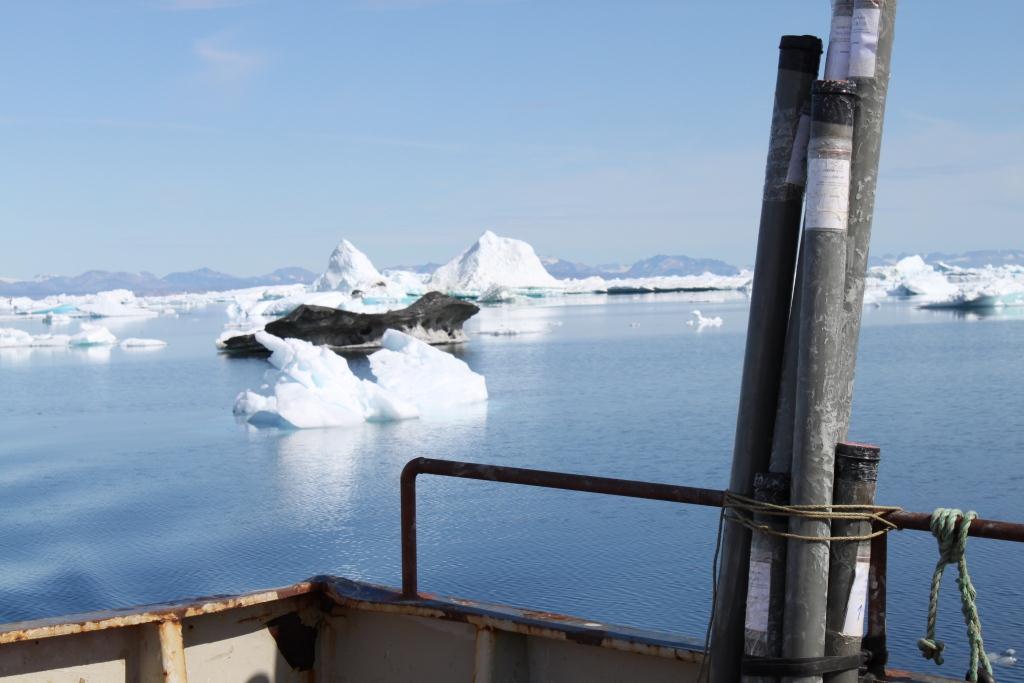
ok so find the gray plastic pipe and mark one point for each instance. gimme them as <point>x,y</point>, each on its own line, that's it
<point>777,240</point>
<point>817,409</point>
<point>856,477</point>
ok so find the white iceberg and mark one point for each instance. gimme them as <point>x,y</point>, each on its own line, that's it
<point>424,376</point>
<point>11,338</point>
<point>137,343</point>
<point>314,387</point>
<point>350,271</point>
<point>700,321</point>
<point>117,303</point>
<point>493,261</point>
<point>92,335</point>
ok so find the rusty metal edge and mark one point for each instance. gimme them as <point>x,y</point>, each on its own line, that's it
<point>117,618</point>
<point>368,597</point>
<point>347,593</point>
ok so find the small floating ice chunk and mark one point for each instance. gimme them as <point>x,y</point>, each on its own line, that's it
<point>700,321</point>
<point>423,375</point>
<point>92,335</point>
<point>137,343</point>
<point>1007,657</point>
<point>11,338</point>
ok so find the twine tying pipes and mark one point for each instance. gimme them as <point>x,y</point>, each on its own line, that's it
<point>952,541</point>
<point>741,510</point>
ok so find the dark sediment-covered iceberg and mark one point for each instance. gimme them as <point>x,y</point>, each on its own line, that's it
<point>434,318</point>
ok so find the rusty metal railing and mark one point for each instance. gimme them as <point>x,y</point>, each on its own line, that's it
<point>874,642</point>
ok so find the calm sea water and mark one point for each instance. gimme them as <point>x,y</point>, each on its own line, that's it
<point>125,479</point>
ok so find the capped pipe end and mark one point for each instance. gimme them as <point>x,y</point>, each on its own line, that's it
<point>800,53</point>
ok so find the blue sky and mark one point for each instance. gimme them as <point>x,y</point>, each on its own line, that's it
<point>171,134</point>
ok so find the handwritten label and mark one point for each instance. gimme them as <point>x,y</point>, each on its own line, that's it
<point>828,194</point>
<point>837,59</point>
<point>864,42</point>
<point>854,624</point>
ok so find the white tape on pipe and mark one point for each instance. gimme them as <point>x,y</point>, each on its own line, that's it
<point>828,194</point>
<point>864,42</point>
<point>759,589</point>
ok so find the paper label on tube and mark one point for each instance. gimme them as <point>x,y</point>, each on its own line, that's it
<point>854,624</point>
<point>864,42</point>
<point>796,174</point>
<point>759,589</point>
<point>837,58</point>
<point>828,194</point>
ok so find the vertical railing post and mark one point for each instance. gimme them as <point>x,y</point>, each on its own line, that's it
<point>874,641</point>
<point>408,494</point>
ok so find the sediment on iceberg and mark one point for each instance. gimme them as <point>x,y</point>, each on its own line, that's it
<point>434,318</point>
<point>313,387</point>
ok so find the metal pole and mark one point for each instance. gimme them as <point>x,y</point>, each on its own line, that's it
<point>874,27</point>
<point>849,562</point>
<point>778,235</point>
<point>819,367</point>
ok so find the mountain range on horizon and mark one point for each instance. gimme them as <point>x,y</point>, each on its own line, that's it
<point>208,280</point>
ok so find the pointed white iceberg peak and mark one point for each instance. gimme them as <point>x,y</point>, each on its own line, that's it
<point>492,261</point>
<point>348,269</point>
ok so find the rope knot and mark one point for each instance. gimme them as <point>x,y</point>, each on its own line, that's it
<point>950,528</point>
<point>931,649</point>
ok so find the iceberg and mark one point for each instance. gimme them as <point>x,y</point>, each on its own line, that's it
<point>700,321</point>
<point>435,318</point>
<point>493,261</point>
<point>351,272</point>
<point>945,286</point>
<point>92,335</point>
<point>424,376</point>
<point>11,338</point>
<point>313,387</point>
<point>117,303</point>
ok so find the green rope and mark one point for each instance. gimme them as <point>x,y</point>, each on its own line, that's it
<point>952,540</point>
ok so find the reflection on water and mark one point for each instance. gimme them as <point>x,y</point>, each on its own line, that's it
<point>998,313</point>
<point>94,354</point>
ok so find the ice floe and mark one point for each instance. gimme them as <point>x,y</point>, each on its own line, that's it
<point>1007,657</point>
<point>118,303</point>
<point>427,377</point>
<point>943,286</point>
<point>92,335</point>
<point>89,335</point>
<point>700,321</point>
<point>314,387</point>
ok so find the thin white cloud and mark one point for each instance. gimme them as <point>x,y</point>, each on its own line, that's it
<point>225,64</point>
